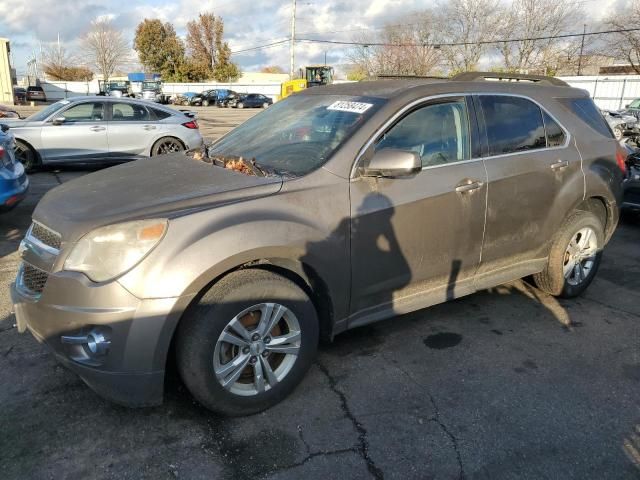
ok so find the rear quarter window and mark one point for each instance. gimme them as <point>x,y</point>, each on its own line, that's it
<point>586,110</point>
<point>160,114</point>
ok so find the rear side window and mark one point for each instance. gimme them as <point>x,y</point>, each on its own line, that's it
<point>513,124</point>
<point>555,134</point>
<point>587,111</point>
<point>160,114</point>
<point>129,112</point>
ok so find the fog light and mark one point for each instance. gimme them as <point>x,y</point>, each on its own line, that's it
<point>94,343</point>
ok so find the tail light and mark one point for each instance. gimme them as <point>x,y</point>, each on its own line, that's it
<point>1,152</point>
<point>621,157</point>
<point>191,124</point>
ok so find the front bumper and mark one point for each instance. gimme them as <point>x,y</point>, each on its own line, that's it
<point>131,372</point>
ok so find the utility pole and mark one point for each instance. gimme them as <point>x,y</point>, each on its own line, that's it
<point>292,47</point>
<point>584,31</point>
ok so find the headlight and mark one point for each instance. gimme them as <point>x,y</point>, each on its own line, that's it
<point>110,251</point>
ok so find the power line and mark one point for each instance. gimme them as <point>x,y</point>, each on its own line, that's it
<point>460,44</point>
<point>260,47</point>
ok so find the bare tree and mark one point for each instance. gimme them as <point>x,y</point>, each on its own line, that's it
<point>406,48</point>
<point>528,19</point>
<point>105,47</point>
<point>626,45</point>
<point>468,22</point>
<point>58,64</point>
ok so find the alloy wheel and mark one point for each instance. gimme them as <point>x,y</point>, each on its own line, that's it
<point>169,146</point>
<point>580,256</point>
<point>257,349</point>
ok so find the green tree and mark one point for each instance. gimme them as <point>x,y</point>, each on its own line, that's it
<point>208,50</point>
<point>159,49</point>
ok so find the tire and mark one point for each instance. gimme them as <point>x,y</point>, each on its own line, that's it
<point>559,278</point>
<point>167,145</point>
<point>618,132</point>
<point>240,105</point>
<point>265,105</point>
<point>235,298</point>
<point>205,103</point>
<point>27,156</point>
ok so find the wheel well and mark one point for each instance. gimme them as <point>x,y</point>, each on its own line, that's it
<point>598,206</point>
<point>35,152</point>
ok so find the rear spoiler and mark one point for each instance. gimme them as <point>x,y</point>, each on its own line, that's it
<point>190,113</point>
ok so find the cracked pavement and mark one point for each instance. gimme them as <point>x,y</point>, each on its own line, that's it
<point>504,384</point>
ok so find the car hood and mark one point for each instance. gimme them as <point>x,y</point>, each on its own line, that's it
<point>164,186</point>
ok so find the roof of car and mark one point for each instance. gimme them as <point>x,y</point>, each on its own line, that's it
<point>393,87</point>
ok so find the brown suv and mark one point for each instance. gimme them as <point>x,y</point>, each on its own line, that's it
<point>337,207</point>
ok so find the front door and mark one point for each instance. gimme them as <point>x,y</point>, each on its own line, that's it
<point>417,241</point>
<point>81,137</point>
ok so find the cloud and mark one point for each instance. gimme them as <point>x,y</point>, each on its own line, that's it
<point>248,23</point>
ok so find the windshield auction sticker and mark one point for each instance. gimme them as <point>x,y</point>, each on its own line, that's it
<point>353,107</point>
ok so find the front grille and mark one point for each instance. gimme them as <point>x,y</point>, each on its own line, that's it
<point>33,279</point>
<point>45,235</point>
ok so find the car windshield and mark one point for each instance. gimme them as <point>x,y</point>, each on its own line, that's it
<point>635,103</point>
<point>299,134</point>
<point>46,112</point>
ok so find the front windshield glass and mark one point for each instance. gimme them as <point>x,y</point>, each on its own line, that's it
<point>299,134</point>
<point>635,103</point>
<point>46,112</point>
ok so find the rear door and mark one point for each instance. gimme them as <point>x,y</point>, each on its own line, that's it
<point>131,130</point>
<point>82,137</point>
<point>418,239</point>
<point>530,161</point>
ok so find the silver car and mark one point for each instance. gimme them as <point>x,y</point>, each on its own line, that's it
<point>102,129</point>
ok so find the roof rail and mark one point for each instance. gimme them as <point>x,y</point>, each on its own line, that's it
<point>508,77</point>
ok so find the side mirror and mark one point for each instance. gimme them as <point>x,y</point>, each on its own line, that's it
<point>58,120</point>
<point>391,162</point>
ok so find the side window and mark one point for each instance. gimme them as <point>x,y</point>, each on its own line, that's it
<point>439,133</point>
<point>586,110</point>
<point>85,112</point>
<point>513,124</point>
<point>555,134</point>
<point>160,114</point>
<point>129,112</point>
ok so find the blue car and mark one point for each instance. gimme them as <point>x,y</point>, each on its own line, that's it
<point>13,178</point>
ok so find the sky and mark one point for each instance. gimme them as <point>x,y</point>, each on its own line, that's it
<point>32,23</point>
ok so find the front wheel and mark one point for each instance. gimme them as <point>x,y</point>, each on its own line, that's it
<point>574,258</point>
<point>205,103</point>
<point>618,132</point>
<point>247,343</point>
<point>240,105</point>
<point>265,105</point>
<point>166,145</point>
<point>27,156</point>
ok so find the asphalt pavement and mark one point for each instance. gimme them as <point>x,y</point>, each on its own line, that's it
<point>508,383</point>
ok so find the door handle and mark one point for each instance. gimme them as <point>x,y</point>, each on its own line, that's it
<point>559,165</point>
<point>97,129</point>
<point>149,127</point>
<point>469,186</point>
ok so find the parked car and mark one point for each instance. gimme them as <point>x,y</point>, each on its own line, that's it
<point>631,186</point>
<point>633,108</point>
<point>337,207</point>
<point>13,179</point>
<point>7,112</point>
<point>102,129</point>
<point>622,125</point>
<point>35,93</point>
<point>19,95</point>
<point>250,100</point>
<point>206,98</point>
<point>186,98</point>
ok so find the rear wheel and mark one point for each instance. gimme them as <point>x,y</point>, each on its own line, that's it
<point>247,343</point>
<point>240,105</point>
<point>166,145</point>
<point>205,103</point>
<point>574,258</point>
<point>265,105</point>
<point>27,156</point>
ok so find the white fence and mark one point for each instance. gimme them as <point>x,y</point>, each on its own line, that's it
<point>611,92</point>
<point>59,90</point>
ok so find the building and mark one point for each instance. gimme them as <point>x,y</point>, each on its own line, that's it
<point>6,73</point>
